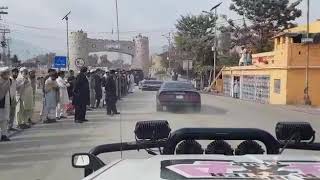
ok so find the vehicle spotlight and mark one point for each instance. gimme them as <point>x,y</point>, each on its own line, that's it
<point>152,130</point>
<point>189,147</point>
<point>295,131</point>
<point>219,147</point>
<point>248,147</point>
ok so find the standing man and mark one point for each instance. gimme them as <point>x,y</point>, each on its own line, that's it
<point>51,98</point>
<point>81,96</point>
<point>131,82</point>
<point>4,102</point>
<point>236,89</point>
<point>13,98</point>
<point>111,94</point>
<point>33,81</point>
<point>243,57</point>
<point>71,80</point>
<point>103,82</point>
<point>124,82</point>
<point>92,88</point>
<point>117,82</point>
<point>25,94</point>
<point>97,87</point>
<point>63,96</point>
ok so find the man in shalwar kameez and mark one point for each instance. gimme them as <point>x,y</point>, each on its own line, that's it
<point>4,102</point>
<point>51,99</point>
<point>25,99</point>
<point>64,98</point>
<point>131,82</point>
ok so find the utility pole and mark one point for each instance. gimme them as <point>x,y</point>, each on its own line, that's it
<point>3,31</point>
<point>8,49</point>
<point>66,17</point>
<point>307,100</point>
<point>214,48</point>
<point>118,30</point>
<point>168,37</point>
<point>4,45</point>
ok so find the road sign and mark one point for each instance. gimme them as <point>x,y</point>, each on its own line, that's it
<point>60,62</point>
<point>79,62</point>
<point>187,64</point>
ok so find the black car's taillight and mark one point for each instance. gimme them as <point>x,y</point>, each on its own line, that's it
<point>166,97</point>
<point>192,97</point>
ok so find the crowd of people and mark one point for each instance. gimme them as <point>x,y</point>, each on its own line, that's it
<point>63,94</point>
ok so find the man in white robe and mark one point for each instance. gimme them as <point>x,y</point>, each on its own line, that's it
<point>51,99</point>
<point>64,98</point>
<point>25,99</point>
<point>131,82</point>
<point>243,57</point>
<point>13,99</point>
<point>4,102</point>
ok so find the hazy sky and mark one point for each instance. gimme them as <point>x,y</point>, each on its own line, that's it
<point>39,21</point>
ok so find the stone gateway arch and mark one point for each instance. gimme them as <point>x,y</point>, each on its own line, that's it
<point>81,46</point>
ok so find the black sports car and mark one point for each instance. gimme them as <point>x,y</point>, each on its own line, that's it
<point>174,94</point>
<point>151,85</point>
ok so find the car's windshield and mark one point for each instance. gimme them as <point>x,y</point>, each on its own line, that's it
<point>75,74</point>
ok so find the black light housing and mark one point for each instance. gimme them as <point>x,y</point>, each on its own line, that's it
<point>152,130</point>
<point>248,147</point>
<point>189,147</point>
<point>296,131</point>
<point>219,147</point>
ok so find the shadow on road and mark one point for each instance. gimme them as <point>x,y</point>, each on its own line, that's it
<point>205,109</point>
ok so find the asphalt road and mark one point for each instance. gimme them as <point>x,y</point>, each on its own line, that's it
<point>44,152</point>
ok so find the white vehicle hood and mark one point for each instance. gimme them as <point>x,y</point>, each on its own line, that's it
<point>211,167</point>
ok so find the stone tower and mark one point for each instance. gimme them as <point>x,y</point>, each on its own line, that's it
<point>141,57</point>
<point>78,48</point>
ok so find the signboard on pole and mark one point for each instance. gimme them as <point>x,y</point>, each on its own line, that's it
<point>60,62</point>
<point>187,64</point>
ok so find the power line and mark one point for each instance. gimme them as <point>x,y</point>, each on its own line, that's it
<point>96,32</point>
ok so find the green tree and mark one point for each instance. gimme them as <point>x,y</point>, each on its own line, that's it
<point>195,35</point>
<point>263,19</point>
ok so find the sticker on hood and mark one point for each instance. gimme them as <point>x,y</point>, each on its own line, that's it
<point>213,169</point>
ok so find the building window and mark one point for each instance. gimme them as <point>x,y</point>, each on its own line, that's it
<point>277,86</point>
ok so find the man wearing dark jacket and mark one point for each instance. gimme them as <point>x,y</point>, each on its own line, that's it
<point>81,96</point>
<point>98,87</point>
<point>111,94</point>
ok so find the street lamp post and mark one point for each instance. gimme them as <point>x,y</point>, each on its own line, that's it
<point>66,17</point>
<point>168,36</point>
<point>307,100</point>
<point>214,48</point>
<point>117,15</point>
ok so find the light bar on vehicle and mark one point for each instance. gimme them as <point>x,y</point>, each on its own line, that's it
<point>297,131</point>
<point>219,147</point>
<point>189,147</point>
<point>152,130</point>
<point>248,147</point>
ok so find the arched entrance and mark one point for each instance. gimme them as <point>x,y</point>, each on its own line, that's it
<point>81,46</point>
